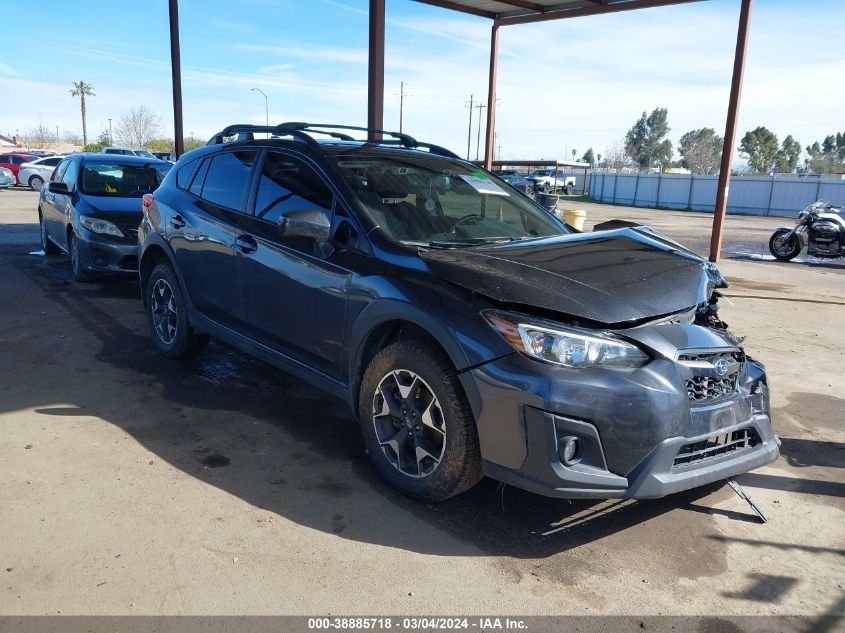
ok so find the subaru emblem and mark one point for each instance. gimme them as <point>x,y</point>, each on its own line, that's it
<point>721,366</point>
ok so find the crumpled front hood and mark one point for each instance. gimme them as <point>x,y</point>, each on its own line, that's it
<point>610,277</point>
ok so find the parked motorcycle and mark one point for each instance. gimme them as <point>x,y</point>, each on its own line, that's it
<point>820,227</point>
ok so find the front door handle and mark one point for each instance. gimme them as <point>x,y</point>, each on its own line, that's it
<point>246,244</point>
<point>177,222</point>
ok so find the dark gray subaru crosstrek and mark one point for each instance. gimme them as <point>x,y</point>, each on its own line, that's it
<point>471,331</point>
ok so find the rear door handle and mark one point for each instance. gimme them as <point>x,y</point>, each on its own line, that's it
<point>177,222</point>
<point>246,244</point>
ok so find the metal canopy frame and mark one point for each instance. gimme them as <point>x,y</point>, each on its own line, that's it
<point>505,13</point>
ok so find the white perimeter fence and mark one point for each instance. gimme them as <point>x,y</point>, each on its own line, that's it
<point>778,196</point>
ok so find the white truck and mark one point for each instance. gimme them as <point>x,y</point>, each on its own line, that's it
<point>547,180</point>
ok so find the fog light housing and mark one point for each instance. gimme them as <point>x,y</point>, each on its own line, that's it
<point>569,450</point>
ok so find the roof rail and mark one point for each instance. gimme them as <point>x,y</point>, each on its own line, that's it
<point>303,131</point>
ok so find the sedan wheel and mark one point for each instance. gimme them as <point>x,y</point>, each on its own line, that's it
<point>36,183</point>
<point>79,273</point>
<point>409,423</point>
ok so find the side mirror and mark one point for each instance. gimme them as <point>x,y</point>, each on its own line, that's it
<point>308,223</point>
<point>58,187</point>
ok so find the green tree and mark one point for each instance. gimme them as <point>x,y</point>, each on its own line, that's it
<point>588,157</point>
<point>761,148</point>
<point>827,157</point>
<point>646,141</point>
<point>103,138</point>
<point>701,151</point>
<point>192,142</point>
<point>82,90</point>
<point>787,158</point>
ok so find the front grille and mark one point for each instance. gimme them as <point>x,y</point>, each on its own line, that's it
<point>703,388</point>
<point>706,383</point>
<point>129,230</point>
<point>716,446</point>
<point>709,357</point>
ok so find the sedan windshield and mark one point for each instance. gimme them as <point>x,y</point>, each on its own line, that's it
<point>123,181</point>
<point>437,201</point>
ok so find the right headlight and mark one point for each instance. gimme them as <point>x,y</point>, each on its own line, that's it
<point>97,225</point>
<point>564,346</point>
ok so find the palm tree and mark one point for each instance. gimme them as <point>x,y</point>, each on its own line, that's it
<point>82,90</point>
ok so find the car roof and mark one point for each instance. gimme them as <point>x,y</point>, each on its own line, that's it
<point>118,159</point>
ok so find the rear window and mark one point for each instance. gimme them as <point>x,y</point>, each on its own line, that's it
<point>121,181</point>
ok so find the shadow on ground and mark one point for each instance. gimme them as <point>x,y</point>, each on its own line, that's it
<point>280,445</point>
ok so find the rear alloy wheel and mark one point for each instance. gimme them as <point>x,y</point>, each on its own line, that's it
<point>567,190</point>
<point>167,313</point>
<point>36,183</point>
<point>79,273</point>
<point>417,424</point>
<point>546,188</point>
<point>784,246</point>
<point>46,244</point>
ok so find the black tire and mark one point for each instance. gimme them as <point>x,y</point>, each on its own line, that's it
<point>79,273</point>
<point>47,245</point>
<point>185,341</point>
<point>546,187</point>
<point>36,183</point>
<point>529,190</point>
<point>784,249</point>
<point>567,190</point>
<point>459,467</point>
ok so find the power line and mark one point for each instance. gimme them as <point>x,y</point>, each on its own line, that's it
<point>469,130</point>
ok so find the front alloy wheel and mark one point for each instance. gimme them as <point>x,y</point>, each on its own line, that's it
<point>417,424</point>
<point>164,314</point>
<point>784,245</point>
<point>409,423</point>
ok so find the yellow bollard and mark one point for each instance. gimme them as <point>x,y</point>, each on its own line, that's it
<point>575,218</point>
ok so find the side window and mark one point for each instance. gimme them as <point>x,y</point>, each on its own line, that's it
<point>69,177</point>
<point>288,184</point>
<point>199,179</point>
<point>183,176</point>
<point>227,179</point>
<point>15,160</point>
<point>50,162</point>
<point>60,170</point>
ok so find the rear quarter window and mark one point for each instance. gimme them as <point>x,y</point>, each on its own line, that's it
<point>185,173</point>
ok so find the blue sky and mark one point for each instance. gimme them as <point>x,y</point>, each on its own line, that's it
<point>569,84</point>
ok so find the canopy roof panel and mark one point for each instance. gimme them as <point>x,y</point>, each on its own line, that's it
<point>522,11</point>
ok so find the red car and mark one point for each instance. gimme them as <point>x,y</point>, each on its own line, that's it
<point>14,160</point>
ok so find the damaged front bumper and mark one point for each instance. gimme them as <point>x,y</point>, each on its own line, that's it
<point>641,432</point>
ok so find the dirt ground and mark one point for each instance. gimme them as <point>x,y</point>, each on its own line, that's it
<point>136,485</point>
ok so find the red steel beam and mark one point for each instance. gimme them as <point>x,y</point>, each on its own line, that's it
<point>176,75</point>
<point>490,139</point>
<point>375,69</point>
<point>560,14</point>
<point>730,131</point>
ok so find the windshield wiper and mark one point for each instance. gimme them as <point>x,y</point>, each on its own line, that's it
<point>474,241</point>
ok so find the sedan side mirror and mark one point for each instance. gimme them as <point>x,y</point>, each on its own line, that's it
<point>58,187</point>
<point>307,223</point>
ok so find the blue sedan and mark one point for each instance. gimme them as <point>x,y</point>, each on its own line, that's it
<point>91,209</point>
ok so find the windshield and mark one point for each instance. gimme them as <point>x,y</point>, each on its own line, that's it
<point>123,181</point>
<point>542,172</point>
<point>433,200</point>
<point>143,153</point>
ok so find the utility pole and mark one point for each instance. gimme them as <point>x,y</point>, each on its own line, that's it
<point>111,140</point>
<point>57,137</point>
<point>469,131</point>
<point>480,107</point>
